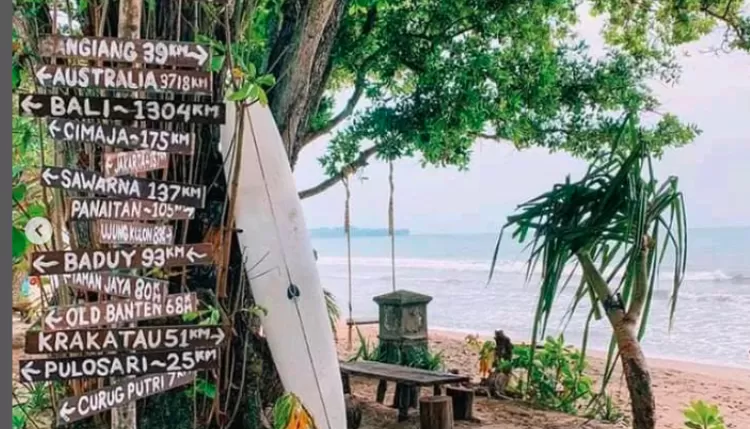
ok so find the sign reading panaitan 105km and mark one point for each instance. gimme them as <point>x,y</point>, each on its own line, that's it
<point>99,208</point>
<point>156,52</point>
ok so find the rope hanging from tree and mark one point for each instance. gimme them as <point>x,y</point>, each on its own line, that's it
<point>391,231</point>
<point>347,231</point>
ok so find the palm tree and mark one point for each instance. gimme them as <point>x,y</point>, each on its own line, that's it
<point>616,224</point>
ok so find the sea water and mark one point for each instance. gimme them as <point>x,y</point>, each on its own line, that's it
<point>711,322</point>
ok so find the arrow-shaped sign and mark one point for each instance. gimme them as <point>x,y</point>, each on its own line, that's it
<point>41,75</point>
<point>51,320</point>
<point>193,256</point>
<point>201,56</point>
<point>49,177</point>
<point>28,371</point>
<point>65,411</point>
<point>28,106</point>
<point>40,266</point>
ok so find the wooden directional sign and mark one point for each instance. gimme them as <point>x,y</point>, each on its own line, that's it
<point>124,109</point>
<point>132,163</point>
<point>96,208</point>
<point>185,81</point>
<point>143,339</point>
<point>121,137</point>
<point>117,365</point>
<point>112,312</point>
<point>123,187</point>
<point>119,232</point>
<point>119,285</point>
<point>157,52</point>
<point>98,401</point>
<point>92,260</point>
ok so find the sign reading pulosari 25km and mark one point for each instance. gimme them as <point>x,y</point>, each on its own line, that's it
<point>124,109</point>
<point>92,260</point>
<point>98,401</point>
<point>117,365</point>
<point>124,187</point>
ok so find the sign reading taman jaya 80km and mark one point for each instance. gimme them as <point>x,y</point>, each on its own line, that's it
<point>92,260</point>
<point>157,52</point>
<point>119,285</point>
<point>98,401</point>
<point>117,365</point>
<point>123,109</point>
<point>124,187</point>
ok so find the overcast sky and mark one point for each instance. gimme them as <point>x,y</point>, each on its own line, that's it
<point>713,92</point>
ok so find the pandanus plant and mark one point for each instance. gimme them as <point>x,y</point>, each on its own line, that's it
<point>615,224</point>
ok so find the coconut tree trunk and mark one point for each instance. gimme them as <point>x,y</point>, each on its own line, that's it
<point>637,376</point>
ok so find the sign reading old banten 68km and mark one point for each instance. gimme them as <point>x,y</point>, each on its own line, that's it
<point>122,109</point>
<point>157,52</point>
<point>117,365</point>
<point>122,137</point>
<point>98,401</point>
<point>123,187</point>
<point>111,312</point>
<point>92,260</point>
<point>141,339</point>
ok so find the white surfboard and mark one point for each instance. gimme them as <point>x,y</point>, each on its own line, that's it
<point>269,214</point>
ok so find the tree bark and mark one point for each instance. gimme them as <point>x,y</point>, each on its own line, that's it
<point>637,377</point>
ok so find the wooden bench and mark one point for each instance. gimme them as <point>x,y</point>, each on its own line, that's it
<point>408,381</point>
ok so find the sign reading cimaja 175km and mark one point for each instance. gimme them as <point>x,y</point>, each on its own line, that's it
<point>130,211</point>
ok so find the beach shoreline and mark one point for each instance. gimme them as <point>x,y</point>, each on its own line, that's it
<point>676,383</point>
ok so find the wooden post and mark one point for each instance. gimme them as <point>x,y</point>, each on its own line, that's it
<point>435,412</point>
<point>462,401</point>
<point>128,27</point>
<point>380,394</point>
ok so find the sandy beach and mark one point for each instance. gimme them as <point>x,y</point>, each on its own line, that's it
<point>675,384</point>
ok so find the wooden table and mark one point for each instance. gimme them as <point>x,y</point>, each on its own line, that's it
<point>408,381</point>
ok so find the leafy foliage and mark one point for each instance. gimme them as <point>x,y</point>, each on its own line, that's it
<point>332,308</point>
<point>556,377</point>
<point>701,415</point>
<point>290,413</point>
<point>415,357</point>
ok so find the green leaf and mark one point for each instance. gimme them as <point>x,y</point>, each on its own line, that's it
<point>19,192</point>
<point>250,71</point>
<point>19,242</point>
<point>36,210</point>
<point>189,317</point>
<point>16,76</point>
<point>242,93</point>
<point>217,62</point>
<point>262,97</point>
<point>205,388</point>
<point>266,80</point>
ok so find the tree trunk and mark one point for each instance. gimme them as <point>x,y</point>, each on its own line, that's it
<point>463,402</point>
<point>637,376</point>
<point>435,412</point>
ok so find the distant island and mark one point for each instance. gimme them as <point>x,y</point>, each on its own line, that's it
<point>356,232</point>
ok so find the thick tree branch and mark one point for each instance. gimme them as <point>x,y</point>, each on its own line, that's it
<point>359,90</point>
<point>640,286</point>
<point>358,163</point>
<point>596,282</point>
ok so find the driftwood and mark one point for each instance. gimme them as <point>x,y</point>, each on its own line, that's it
<point>435,412</point>
<point>462,401</point>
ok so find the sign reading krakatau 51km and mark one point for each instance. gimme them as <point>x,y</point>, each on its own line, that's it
<point>132,163</point>
<point>113,312</point>
<point>121,137</point>
<point>119,232</point>
<point>186,81</point>
<point>122,109</point>
<point>156,52</point>
<point>98,401</point>
<point>119,285</point>
<point>91,260</point>
<point>98,208</point>
<point>117,365</point>
<point>142,339</point>
<point>123,187</point>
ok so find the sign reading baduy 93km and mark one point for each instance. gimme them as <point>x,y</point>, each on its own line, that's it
<point>121,137</point>
<point>123,109</point>
<point>92,260</point>
<point>188,81</point>
<point>128,187</point>
<point>157,52</point>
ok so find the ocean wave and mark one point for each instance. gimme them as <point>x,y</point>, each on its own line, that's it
<point>506,267</point>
